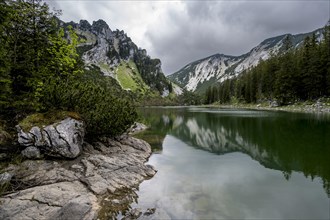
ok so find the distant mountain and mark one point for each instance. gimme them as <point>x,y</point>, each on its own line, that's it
<point>199,75</point>
<point>119,57</point>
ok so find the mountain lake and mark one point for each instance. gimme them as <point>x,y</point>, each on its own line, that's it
<point>218,163</point>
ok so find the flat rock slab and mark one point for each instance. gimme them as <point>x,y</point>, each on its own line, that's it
<point>76,189</point>
<point>50,202</point>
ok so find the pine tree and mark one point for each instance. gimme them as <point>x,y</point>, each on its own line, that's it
<point>285,88</point>
<point>5,80</point>
<point>325,61</point>
<point>29,26</point>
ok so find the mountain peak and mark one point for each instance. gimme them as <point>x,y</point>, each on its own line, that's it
<point>100,25</point>
<point>85,25</point>
<point>117,56</point>
<point>200,74</point>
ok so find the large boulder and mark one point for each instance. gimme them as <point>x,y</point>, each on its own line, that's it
<point>62,139</point>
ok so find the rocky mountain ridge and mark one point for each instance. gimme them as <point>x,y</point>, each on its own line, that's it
<point>119,57</point>
<point>200,74</point>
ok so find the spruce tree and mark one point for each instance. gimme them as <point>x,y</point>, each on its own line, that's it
<point>5,79</point>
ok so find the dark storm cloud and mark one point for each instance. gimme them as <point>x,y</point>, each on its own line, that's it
<point>231,27</point>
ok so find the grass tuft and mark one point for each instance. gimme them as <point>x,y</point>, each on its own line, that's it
<point>44,119</point>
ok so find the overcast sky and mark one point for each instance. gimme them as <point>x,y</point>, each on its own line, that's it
<point>179,32</point>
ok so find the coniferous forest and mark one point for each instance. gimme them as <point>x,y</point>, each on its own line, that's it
<point>296,74</point>
<point>41,71</point>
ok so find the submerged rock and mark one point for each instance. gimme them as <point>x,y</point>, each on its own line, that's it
<point>133,214</point>
<point>62,139</point>
<point>76,189</point>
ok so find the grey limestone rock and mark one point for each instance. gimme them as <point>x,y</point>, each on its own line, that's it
<point>137,127</point>
<point>5,177</point>
<point>50,202</point>
<point>76,189</point>
<point>77,208</point>
<point>62,139</point>
<point>31,153</point>
<point>273,104</point>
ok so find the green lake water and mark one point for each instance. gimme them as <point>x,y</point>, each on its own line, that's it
<point>236,164</point>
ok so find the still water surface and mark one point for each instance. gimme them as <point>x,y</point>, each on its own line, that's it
<point>237,164</point>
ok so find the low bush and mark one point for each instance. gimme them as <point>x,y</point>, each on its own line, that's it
<point>103,113</point>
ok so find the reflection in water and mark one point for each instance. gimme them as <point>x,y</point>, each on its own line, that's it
<point>117,204</point>
<point>194,184</point>
<point>282,141</point>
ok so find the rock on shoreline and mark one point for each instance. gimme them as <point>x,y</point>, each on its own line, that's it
<point>62,139</point>
<point>77,189</point>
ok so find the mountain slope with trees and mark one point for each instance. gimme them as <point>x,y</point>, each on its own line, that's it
<point>295,75</point>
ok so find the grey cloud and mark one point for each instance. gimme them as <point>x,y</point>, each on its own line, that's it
<point>231,28</point>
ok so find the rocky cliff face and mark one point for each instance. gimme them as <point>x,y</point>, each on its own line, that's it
<point>199,75</point>
<point>114,52</point>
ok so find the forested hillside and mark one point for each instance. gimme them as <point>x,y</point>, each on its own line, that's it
<point>41,71</point>
<point>201,74</point>
<point>296,75</point>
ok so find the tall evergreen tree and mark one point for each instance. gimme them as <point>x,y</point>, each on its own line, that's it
<point>37,50</point>
<point>5,79</point>
<point>30,24</point>
<point>285,83</point>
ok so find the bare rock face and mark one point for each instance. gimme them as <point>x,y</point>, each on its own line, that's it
<point>93,186</point>
<point>63,139</point>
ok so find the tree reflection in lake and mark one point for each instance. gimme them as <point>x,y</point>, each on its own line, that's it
<point>282,141</point>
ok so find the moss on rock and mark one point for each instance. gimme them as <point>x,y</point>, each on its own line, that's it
<point>44,119</point>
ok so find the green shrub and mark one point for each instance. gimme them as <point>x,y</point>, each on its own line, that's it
<point>103,113</point>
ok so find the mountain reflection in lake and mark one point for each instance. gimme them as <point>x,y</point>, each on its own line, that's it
<point>220,164</point>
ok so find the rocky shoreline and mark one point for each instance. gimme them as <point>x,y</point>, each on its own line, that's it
<point>98,184</point>
<point>317,107</point>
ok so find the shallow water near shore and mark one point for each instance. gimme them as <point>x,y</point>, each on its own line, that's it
<point>237,164</point>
